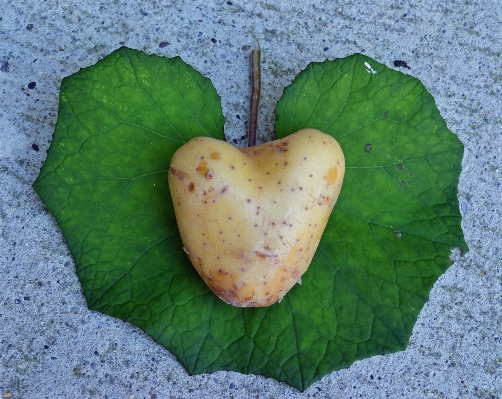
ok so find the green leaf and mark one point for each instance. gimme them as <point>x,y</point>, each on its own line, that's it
<point>388,240</point>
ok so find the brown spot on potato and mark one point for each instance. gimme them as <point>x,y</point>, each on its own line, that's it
<point>332,175</point>
<point>281,146</point>
<point>178,173</point>
<point>325,200</point>
<point>214,155</point>
<point>190,187</point>
<point>204,170</point>
<point>265,256</point>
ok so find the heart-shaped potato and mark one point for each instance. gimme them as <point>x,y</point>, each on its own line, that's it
<point>251,218</point>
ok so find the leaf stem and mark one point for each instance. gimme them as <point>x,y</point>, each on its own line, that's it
<point>255,96</point>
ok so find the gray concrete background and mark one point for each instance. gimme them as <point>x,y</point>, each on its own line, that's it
<point>52,346</point>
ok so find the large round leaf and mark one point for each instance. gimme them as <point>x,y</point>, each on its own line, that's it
<point>389,237</point>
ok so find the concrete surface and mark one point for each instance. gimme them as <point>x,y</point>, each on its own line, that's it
<point>52,346</point>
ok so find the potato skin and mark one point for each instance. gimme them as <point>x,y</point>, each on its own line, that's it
<point>251,218</point>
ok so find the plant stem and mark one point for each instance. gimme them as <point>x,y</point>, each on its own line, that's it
<point>255,96</point>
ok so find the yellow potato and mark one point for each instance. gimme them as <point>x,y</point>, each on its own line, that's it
<point>251,218</point>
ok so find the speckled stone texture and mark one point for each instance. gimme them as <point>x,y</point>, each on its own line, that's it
<point>52,346</point>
